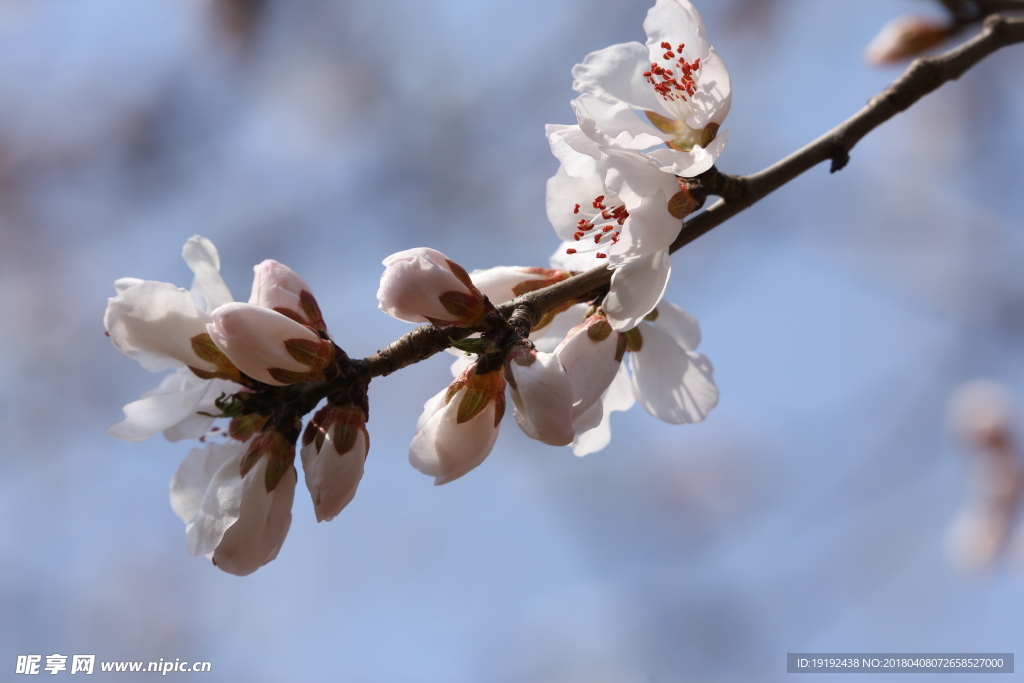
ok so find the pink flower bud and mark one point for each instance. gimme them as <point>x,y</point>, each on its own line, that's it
<point>267,345</point>
<point>277,287</point>
<point>904,37</point>
<point>423,285</point>
<point>591,354</point>
<point>542,396</point>
<point>459,426</point>
<point>334,450</point>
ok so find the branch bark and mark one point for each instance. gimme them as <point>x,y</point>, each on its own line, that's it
<point>923,76</point>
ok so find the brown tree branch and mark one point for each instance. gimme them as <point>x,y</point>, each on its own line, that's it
<point>737,193</point>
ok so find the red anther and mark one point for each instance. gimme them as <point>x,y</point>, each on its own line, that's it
<point>696,64</point>
<point>578,235</point>
<point>577,209</point>
<point>647,74</point>
<point>597,238</point>
<point>607,228</point>
<point>570,251</point>
<point>622,219</point>
<point>605,215</point>
<point>680,48</point>
<point>667,45</point>
<point>600,255</point>
<point>669,55</point>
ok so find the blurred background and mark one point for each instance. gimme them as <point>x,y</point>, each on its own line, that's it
<point>807,514</point>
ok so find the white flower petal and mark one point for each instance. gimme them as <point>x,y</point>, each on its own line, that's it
<point>713,98</point>
<point>550,336</point>
<point>193,477</point>
<point>671,383</point>
<point>679,324</point>
<point>616,74</point>
<point>543,399</point>
<point>636,288</point>
<point>154,323</point>
<point>176,399</point>
<point>593,428</point>
<point>208,287</point>
<point>195,425</point>
<point>614,125</point>
<point>497,283</point>
<point>564,193</point>
<point>262,522</point>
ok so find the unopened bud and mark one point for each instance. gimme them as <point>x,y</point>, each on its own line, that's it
<point>459,426</point>
<point>904,37</point>
<point>277,287</point>
<point>423,285</point>
<point>269,346</point>
<point>333,453</point>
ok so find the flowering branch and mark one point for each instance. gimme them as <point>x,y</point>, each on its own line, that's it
<point>568,345</point>
<point>923,76</point>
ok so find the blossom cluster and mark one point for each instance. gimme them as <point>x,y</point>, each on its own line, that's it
<point>648,118</point>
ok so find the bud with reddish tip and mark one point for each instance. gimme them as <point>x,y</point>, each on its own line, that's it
<point>269,346</point>
<point>423,285</point>
<point>542,395</point>
<point>334,448</point>
<point>459,426</point>
<point>904,37</point>
<point>277,287</point>
<point>591,354</point>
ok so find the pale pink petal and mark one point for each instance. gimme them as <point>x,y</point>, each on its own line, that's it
<point>591,366</point>
<point>331,477</point>
<point>412,284</point>
<point>549,337</point>
<point>196,425</point>
<point>497,283</point>
<point>253,338</point>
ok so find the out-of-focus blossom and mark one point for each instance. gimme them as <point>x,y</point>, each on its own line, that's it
<point>334,450</point>
<point>982,414</point>
<point>423,285</point>
<point>904,37</point>
<point>163,326</point>
<point>541,394</point>
<point>459,425</point>
<point>267,345</point>
<point>236,502</point>
<point>676,82</point>
<point>278,287</point>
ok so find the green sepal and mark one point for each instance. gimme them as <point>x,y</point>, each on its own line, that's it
<point>634,340</point>
<point>599,330</point>
<point>473,403</point>
<point>477,346</point>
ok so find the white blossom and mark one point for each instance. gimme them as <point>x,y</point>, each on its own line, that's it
<point>163,326</point>
<point>676,82</point>
<point>232,519</point>
<point>541,395</point>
